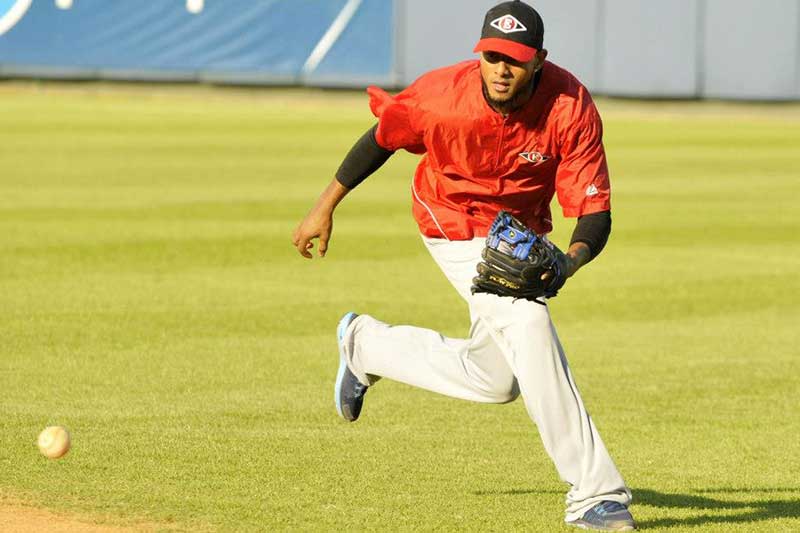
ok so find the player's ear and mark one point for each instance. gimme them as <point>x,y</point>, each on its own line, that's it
<point>541,55</point>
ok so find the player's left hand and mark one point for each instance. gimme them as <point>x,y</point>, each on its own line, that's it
<point>566,266</point>
<point>577,255</point>
<point>555,277</point>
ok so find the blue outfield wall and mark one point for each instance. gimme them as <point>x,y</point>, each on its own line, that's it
<point>350,42</point>
<point>615,47</point>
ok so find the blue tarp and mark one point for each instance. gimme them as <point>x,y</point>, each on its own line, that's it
<point>260,41</point>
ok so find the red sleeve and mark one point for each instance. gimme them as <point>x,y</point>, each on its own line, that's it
<point>582,182</point>
<point>399,124</point>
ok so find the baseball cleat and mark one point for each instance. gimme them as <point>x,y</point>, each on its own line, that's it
<point>606,516</point>
<point>348,392</point>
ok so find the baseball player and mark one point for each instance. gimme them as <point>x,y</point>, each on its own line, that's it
<point>504,133</point>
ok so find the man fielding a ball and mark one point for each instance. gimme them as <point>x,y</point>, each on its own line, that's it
<point>504,133</point>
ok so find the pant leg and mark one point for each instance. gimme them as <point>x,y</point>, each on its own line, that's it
<point>473,368</point>
<point>470,369</point>
<point>525,335</point>
<point>528,339</point>
<point>513,347</point>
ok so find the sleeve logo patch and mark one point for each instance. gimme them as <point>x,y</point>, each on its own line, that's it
<point>534,157</point>
<point>591,190</point>
<point>508,24</point>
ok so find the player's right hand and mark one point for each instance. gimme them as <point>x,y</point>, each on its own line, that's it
<point>316,225</point>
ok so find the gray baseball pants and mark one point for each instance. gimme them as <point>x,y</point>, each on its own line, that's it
<point>512,348</point>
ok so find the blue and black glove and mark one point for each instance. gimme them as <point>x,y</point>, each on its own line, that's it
<point>514,260</point>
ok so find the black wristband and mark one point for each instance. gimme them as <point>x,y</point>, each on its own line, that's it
<point>593,230</point>
<point>364,158</point>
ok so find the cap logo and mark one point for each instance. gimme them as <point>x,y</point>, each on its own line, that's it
<point>508,24</point>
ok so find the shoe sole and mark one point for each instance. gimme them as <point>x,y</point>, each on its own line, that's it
<point>341,329</point>
<point>596,528</point>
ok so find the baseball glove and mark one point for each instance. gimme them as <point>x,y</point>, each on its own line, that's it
<point>514,260</point>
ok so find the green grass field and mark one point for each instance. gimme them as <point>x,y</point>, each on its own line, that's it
<point>151,302</point>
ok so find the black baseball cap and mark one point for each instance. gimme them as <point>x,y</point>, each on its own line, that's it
<point>514,29</point>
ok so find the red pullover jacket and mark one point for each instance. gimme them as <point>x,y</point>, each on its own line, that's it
<point>477,162</point>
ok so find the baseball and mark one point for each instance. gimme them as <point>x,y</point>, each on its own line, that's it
<point>53,442</point>
<point>194,6</point>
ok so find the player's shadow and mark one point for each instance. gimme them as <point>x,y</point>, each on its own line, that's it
<point>735,512</point>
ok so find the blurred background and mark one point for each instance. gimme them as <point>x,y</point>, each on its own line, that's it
<point>738,49</point>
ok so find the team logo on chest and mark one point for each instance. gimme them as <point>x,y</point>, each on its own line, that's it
<point>508,24</point>
<point>534,157</point>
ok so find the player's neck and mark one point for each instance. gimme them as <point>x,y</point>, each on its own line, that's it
<point>520,99</point>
